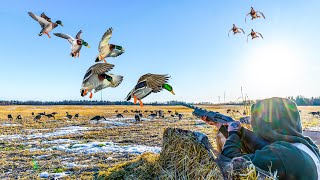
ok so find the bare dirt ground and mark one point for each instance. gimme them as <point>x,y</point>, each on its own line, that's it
<point>78,148</point>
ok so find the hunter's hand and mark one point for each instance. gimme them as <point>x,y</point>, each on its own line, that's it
<point>234,126</point>
<point>204,118</point>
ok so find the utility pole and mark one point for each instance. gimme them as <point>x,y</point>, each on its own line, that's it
<point>219,99</point>
<point>224,97</point>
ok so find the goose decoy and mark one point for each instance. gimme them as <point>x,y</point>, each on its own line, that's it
<point>45,23</point>
<point>54,113</point>
<point>106,49</point>
<point>254,35</point>
<point>119,116</point>
<point>76,116</point>
<point>152,115</point>
<point>50,116</point>
<point>254,14</point>
<point>137,117</point>
<point>69,116</point>
<point>96,78</point>
<point>19,117</point>
<point>235,30</point>
<point>10,117</point>
<point>38,117</point>
<point>76,43</point>
<point>147,84</point>
<point>97,118</point>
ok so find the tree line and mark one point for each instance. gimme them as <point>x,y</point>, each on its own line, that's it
<point>300,100</point>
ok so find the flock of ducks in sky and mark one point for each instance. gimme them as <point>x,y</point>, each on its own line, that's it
<point>97,77</point>
<point>254,15</point>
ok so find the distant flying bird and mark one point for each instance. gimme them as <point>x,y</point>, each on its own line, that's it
<point>254,35</point>
<point>254,14</point>
<point>96,78</point>
<point>106,49</point>
<point>45,23</point>
<point>147,84</point>
<point>235,30</point>
<point>76,43</point>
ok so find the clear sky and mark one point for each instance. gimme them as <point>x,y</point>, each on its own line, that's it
<point>185,39</point>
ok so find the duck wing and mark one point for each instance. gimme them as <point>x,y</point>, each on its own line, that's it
<point>154,81</point>
<point>43,22</point>
<point>262,14</point>
<point>78,36</point>
<point>65,36</point>
<point>105,39</point>
<point>245,20</point>
<point>229,32</point>
<point>260,34</point>
<point>98,68</point>
<point>242,30</point>
<point>43,15</point>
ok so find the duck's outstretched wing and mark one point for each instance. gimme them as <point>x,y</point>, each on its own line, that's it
<point>65,36</point>
<point>242,30</point>
<point>229,32</point>
<point>154,81</point>
<point>43,22</point>
<point>98,68</point>
<point>245,20</point>
<point>43,15</point>
<point>105,39</point>
<point>260,34</point>
<point>78,36</point>
<point>248,37</point>
<point>261,14</point>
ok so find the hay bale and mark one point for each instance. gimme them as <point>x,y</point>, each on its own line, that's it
<point>185,155</point>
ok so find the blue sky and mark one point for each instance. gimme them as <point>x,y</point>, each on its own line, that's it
<point>185,39</point>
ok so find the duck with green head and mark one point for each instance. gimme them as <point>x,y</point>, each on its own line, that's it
<point>76,43</point>
<point>147,84</point>
<point>45,23</point>
<point>106,49</point>
<point>98,79</point>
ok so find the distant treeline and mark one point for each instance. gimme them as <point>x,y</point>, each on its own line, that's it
<point>84,102</point>
<point>300,100</point>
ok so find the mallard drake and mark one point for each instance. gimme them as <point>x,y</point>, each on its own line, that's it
<point>235,30</point>
<point>45,23</point>
<point>147,84</point>
<point>106,49</point>
<point>254,35</point>
<point>96,78</point>
<point>76,44</point>
<point>254,14</point>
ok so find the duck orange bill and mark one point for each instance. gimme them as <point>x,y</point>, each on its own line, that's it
<point>140,102</point>
<point>90,95</point>
<point>172,92</point>
<point>105,60</point>
<point>135,99</point>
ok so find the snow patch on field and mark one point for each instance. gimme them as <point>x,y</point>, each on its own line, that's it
<point>105,147</point>
<point>52,175</point>
<point>9,124</point>
<point>56,133</point>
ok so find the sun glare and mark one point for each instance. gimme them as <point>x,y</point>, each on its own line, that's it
<point>274,68</point>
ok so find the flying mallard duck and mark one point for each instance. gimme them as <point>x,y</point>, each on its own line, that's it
<point>45,23</point>
<point>235,30</point>
<point>96,78</point>
<point>76,44</point>
<point>147,84</point>
<point>254,14</point>
<point>106,49</point>
<point>254,35</point>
